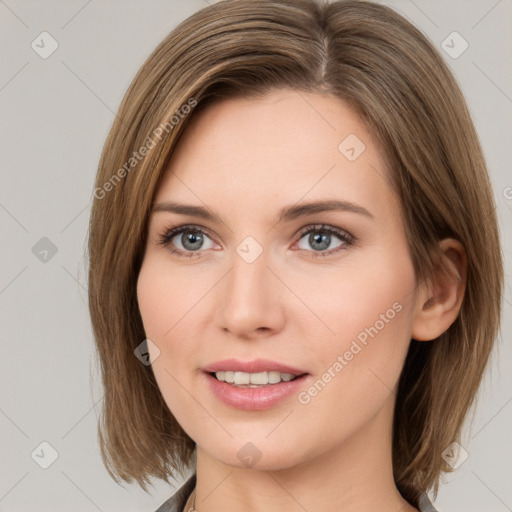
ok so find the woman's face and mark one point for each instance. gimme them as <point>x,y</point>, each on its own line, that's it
<point>328,293</point>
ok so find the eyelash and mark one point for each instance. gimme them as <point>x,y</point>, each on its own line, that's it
<point>347,239</point>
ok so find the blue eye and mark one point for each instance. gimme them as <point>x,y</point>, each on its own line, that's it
<point>321,236</point>
<point>192,240</point>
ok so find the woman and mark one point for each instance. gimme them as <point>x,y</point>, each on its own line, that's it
<point>293,249</point>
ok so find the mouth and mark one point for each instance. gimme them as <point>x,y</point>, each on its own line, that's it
<point>254,385</point>
<point>241,379</point>
<point>253,374</point>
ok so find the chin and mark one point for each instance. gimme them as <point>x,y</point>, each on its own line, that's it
<point>256,452</point>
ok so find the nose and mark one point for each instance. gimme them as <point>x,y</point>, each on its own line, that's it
<point>250,301</point>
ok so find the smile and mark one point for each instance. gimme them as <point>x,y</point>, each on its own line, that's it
<point>253,380</point>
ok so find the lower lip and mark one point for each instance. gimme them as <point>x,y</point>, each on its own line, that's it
<point>254,399</point>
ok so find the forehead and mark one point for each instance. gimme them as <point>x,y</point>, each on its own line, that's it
<point>281,147</point>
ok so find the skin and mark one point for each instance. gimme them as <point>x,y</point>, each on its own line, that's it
<point>245,160</point>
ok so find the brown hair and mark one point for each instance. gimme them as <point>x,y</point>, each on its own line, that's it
<point>372,58</point>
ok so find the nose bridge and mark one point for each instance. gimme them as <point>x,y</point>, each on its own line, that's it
<point>250,297</point>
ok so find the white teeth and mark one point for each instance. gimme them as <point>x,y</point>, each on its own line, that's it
<point>242,378</point>
<point>258,378</point>
<point>253,379</point>
<point>274,377</point>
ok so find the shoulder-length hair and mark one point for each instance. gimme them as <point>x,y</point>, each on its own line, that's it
<point>372,58</point>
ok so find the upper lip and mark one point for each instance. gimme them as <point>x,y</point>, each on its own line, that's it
<point>254,366</point>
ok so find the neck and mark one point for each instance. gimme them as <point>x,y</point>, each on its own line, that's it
<point>355,476</point>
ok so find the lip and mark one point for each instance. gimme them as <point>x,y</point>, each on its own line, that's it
<point>254,366</point>
<point>253,399</point>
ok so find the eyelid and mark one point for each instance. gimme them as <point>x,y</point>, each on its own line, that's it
<point>328,228</point>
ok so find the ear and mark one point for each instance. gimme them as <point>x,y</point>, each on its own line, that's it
<point>438,304</point>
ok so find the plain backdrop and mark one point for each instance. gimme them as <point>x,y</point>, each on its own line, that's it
<point>56,112</point>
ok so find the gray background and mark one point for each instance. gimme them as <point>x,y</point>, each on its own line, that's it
<point>56,114</point>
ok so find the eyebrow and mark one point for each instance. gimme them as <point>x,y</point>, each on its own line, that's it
<point>288,213</point>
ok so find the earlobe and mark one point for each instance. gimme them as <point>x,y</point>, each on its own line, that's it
<point>438,305</point>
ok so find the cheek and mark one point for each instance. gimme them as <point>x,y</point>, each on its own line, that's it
<point>166,303</point>
<point>159,309</point>
<point>368,311</point>
<point>358,374</point>
<point>149,297</point>
<point>369,295</point>
<point>160,298</point>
